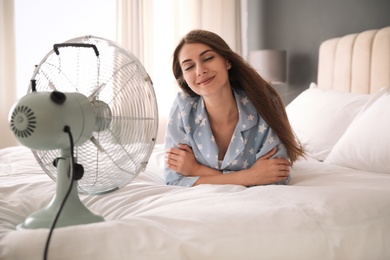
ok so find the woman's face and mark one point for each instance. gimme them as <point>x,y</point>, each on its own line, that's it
<point>204,70</point>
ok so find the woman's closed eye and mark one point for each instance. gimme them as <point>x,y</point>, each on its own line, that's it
<point>208,58</point>
<point>188,67</point>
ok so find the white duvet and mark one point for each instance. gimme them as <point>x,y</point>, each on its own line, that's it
<point>326,212</point>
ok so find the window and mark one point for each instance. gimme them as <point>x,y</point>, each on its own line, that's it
<point>41,23</point>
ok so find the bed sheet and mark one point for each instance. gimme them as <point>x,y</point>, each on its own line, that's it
<point>326,212</point>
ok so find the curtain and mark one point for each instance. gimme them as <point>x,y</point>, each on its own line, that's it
<point>151,29</point>
<point>7,70</point>
<point>129,28</point>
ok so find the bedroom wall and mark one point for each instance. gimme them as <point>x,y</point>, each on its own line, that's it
<point>300,26</point>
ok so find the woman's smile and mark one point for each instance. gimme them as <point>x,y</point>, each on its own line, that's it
<point>206,81</point>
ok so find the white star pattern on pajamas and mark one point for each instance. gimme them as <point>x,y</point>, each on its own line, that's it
<point>181,114</point>
<point>198,119</point>
<point>262,128</point>
<point>245,164</point>
<point>233,137</point>
<point>244,100</point>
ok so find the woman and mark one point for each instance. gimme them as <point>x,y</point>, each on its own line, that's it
<point>228,126</point>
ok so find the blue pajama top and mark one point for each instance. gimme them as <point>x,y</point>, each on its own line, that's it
<point>189,124</point>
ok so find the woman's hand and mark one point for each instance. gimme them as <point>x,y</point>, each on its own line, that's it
<point>268,170</point>
<point>182,160</point>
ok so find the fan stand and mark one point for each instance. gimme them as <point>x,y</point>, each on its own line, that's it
<point>74,211</point>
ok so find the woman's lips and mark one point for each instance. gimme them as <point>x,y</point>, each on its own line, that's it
<point>205,81</point>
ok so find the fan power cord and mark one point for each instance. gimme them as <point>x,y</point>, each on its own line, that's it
<point>72,161</point>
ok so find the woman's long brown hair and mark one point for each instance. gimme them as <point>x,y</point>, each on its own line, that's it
<point>242,75</point>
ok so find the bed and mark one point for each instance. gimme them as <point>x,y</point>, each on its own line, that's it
<point>336,206</point>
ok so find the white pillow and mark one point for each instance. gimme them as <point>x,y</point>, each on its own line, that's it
<point>366,143</point>
<point>319,117</point>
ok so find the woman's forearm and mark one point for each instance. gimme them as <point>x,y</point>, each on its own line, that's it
<point>228,178</point>
<point>264,171</point>
<point>209,175</point>
<point>202,170</point>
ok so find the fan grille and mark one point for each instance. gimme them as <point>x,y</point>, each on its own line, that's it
<point>123,96</point>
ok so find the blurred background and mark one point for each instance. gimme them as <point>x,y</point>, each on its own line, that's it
<point>151,29</point>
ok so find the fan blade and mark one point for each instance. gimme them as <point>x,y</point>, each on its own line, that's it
<point>97,144</point>
<point>96,92</point>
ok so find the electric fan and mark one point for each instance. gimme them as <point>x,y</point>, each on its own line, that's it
<point>90,109</point>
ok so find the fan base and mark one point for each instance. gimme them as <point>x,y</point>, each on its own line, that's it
<point>74,211</point>
<point>75,215</point>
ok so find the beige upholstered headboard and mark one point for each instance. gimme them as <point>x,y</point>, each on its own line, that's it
<point>357,63</point>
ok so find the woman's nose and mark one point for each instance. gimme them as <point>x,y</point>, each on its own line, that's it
<point>201,70</point>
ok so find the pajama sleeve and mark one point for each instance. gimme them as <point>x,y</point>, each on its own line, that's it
<point>175,135</point>
<point>270,141</point>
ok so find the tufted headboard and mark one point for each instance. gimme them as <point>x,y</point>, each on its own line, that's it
<point>357,63</point>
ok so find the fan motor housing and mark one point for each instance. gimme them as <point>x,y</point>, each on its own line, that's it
<point>38,121</point>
